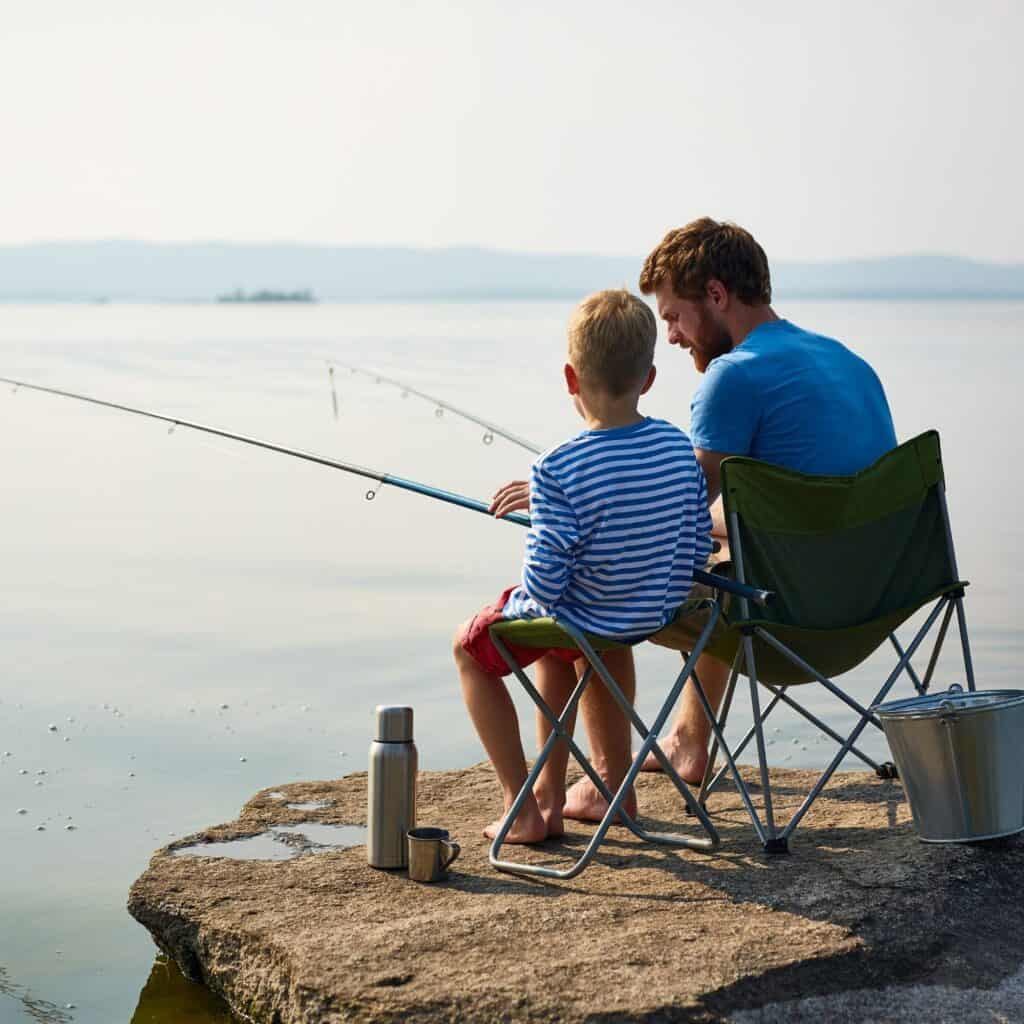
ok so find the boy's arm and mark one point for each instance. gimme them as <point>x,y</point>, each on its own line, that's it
<point>551,541</point>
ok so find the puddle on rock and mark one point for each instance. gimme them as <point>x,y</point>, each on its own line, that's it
<point>282,842</point>
<point>309,805</point>
<point>319,835</point>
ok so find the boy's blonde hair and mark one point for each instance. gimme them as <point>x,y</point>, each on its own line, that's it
<point>611,341</point>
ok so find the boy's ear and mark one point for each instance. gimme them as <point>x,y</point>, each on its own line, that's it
<point>572,381</point>
<point>651,374</point>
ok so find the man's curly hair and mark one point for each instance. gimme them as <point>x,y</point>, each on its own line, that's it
<point>706,249</point>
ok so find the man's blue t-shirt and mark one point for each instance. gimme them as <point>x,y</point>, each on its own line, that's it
<point>794,399</point>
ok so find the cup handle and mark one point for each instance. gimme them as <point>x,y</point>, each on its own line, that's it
<point>455,851</point>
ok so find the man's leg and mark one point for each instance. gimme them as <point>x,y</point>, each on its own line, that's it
<point>686,743</point>
<point>609,733</point>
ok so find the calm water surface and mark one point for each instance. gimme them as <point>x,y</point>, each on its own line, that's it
<point>173,603</point>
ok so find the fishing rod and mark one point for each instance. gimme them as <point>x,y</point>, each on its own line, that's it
<point>371,474</point>
<point>754,594</point>
<point>441,406</point>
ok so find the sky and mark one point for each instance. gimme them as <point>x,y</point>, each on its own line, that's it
<point>830,129</point>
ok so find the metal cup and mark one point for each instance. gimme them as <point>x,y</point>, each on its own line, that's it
<point>430,853</point>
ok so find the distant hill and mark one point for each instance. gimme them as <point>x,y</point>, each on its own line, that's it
<point>926,275</point>
<point>138,271</point>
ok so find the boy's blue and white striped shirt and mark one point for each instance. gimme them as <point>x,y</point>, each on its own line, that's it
<point>619,520</point>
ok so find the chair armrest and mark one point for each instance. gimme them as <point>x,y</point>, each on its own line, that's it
<point>731,586</point>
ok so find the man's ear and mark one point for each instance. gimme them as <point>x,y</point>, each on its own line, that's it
<point>572,381</point>
<point>718,294</point>
<point>651,374</point>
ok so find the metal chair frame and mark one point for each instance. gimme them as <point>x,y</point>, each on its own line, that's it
<point>776,840</point>
<point>648,745</point>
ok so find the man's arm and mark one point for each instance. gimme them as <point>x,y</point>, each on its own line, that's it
<point>724,416</point>
<point>711,463</point>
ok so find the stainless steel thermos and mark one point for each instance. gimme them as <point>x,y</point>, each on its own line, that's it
<point>391,789</point>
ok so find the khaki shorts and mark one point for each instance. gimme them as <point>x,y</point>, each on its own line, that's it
<point>683,632</point>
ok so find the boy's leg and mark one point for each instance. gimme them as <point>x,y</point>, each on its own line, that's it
<point>497,724</point>
<point>610,735</point>
<point>555,681</point>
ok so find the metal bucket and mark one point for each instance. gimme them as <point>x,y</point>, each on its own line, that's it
<point>959,756</point>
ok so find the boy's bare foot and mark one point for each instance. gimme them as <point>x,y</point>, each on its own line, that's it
<point>688,757</point>
<point>583,802</point>
<point>529,826</point>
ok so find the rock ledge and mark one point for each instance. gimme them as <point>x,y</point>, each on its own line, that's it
<point>848,927</point>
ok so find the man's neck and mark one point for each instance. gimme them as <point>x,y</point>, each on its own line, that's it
<point>744,319</point>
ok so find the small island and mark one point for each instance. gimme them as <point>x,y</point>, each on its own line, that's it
<point>267,295</point>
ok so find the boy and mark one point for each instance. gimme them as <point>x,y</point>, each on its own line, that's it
<point>619,519</point>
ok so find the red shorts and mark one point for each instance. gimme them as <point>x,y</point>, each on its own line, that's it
<point>476,641</point>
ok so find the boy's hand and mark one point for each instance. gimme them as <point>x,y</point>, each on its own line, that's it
<point>513,497</point>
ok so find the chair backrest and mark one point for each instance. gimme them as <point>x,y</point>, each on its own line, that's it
<point>842,551</point>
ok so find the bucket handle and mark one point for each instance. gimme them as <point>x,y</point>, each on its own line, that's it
<point>947,709</point>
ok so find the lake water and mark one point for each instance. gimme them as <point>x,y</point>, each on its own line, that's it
<point>175,604</point>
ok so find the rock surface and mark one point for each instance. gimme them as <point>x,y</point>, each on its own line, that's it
<point>861,922</point>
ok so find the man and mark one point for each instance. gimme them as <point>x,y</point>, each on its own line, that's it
<point>770,390</point>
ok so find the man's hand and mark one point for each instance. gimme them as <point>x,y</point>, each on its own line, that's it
<point>513,497</point>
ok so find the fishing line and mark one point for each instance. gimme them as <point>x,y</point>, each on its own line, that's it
<point>334,393</point>
<point>492,430</point>
<point>378,477</point>
<point>699,575</point>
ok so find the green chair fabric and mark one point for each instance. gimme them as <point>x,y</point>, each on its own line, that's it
<point>848,559</point>
<point>831,651</point>
<point>545,632</point>
<point>842,551</point>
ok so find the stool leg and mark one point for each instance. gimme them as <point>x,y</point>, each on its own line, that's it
<point>708,782</point>
<point>615,800</point>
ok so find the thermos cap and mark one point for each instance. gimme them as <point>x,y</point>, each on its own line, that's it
<point>394,723</point>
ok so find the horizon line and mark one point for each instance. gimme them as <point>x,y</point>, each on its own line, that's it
<point>476,247</point>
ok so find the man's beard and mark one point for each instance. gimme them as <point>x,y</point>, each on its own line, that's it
<point>715,341</point>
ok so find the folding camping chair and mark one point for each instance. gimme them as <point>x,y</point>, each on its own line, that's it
<point>848,560</point>
<point>551,633</point>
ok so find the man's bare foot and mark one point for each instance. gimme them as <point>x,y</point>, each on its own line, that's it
<point>689,758</point>
<point>552,815</point>
<point>583,802</point>
<point>529,826</point>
